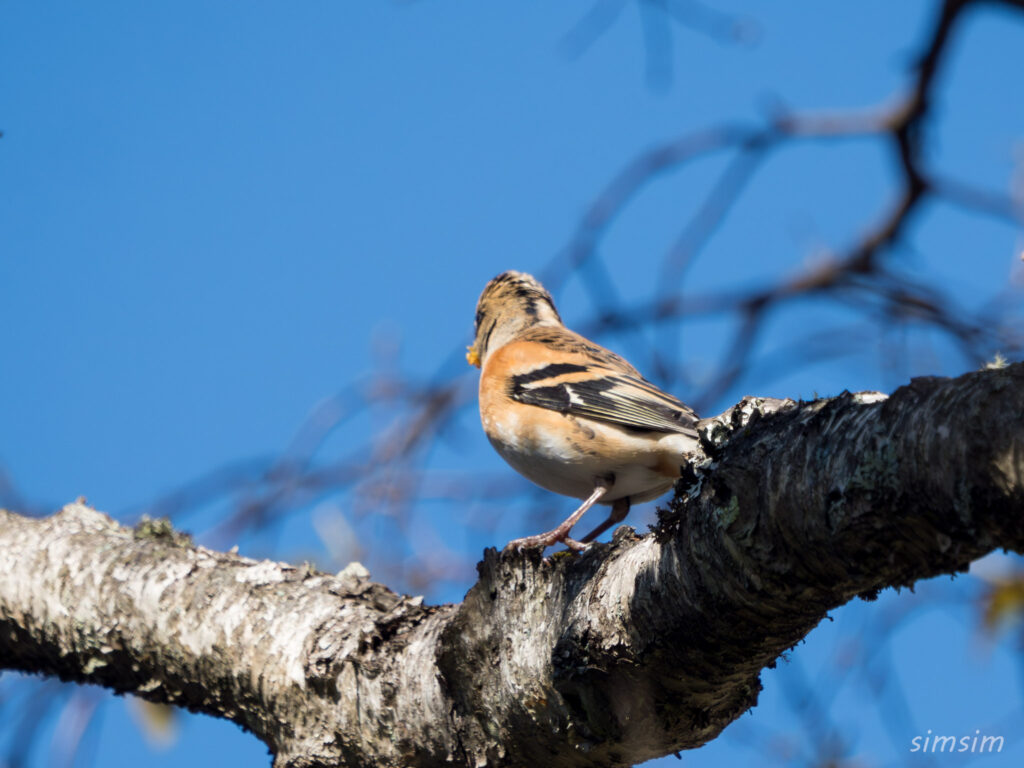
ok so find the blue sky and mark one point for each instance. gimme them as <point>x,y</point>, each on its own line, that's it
<point>215,217</point>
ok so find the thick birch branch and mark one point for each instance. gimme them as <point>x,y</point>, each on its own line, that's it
<point>635,649</point>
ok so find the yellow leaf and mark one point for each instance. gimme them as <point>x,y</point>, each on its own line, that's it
<point>1004,603</point>
<point>158,722</point>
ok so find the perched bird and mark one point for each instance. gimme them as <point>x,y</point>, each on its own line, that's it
<point>568,414</point>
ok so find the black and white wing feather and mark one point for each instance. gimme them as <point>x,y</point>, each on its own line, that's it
<point>603,394</point>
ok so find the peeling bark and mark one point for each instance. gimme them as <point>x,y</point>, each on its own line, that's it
<point>637,648</point>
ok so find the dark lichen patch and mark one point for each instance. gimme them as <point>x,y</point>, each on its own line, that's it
<point>160,529</point>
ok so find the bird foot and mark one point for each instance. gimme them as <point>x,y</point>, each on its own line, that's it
<point>544,540</point>
<point>561,533</point>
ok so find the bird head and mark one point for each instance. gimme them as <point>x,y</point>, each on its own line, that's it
<point>510,303</point>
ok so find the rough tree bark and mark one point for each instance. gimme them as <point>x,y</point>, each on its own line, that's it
<point>635,649</point>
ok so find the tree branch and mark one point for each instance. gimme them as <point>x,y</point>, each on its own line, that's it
<point>636,649</point>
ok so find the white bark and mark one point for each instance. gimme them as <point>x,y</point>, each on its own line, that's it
<point>635,649</point>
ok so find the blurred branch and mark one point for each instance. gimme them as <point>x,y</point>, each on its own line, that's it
<point>902,125</point>
<point>657,18</point>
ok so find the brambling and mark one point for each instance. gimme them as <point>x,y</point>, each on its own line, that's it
<point>568,414</point>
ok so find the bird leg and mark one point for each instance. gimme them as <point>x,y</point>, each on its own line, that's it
<point>620,508</point>
<point>561,533</point>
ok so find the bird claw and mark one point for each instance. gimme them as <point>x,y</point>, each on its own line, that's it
<point>528,542</point>
<point>542,541</point>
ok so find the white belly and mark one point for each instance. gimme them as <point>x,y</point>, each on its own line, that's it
<point>570,461</point>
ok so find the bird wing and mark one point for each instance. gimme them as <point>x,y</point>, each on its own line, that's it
<point>604,394</point>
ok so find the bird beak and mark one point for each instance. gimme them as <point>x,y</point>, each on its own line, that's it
<point>472,357</point>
